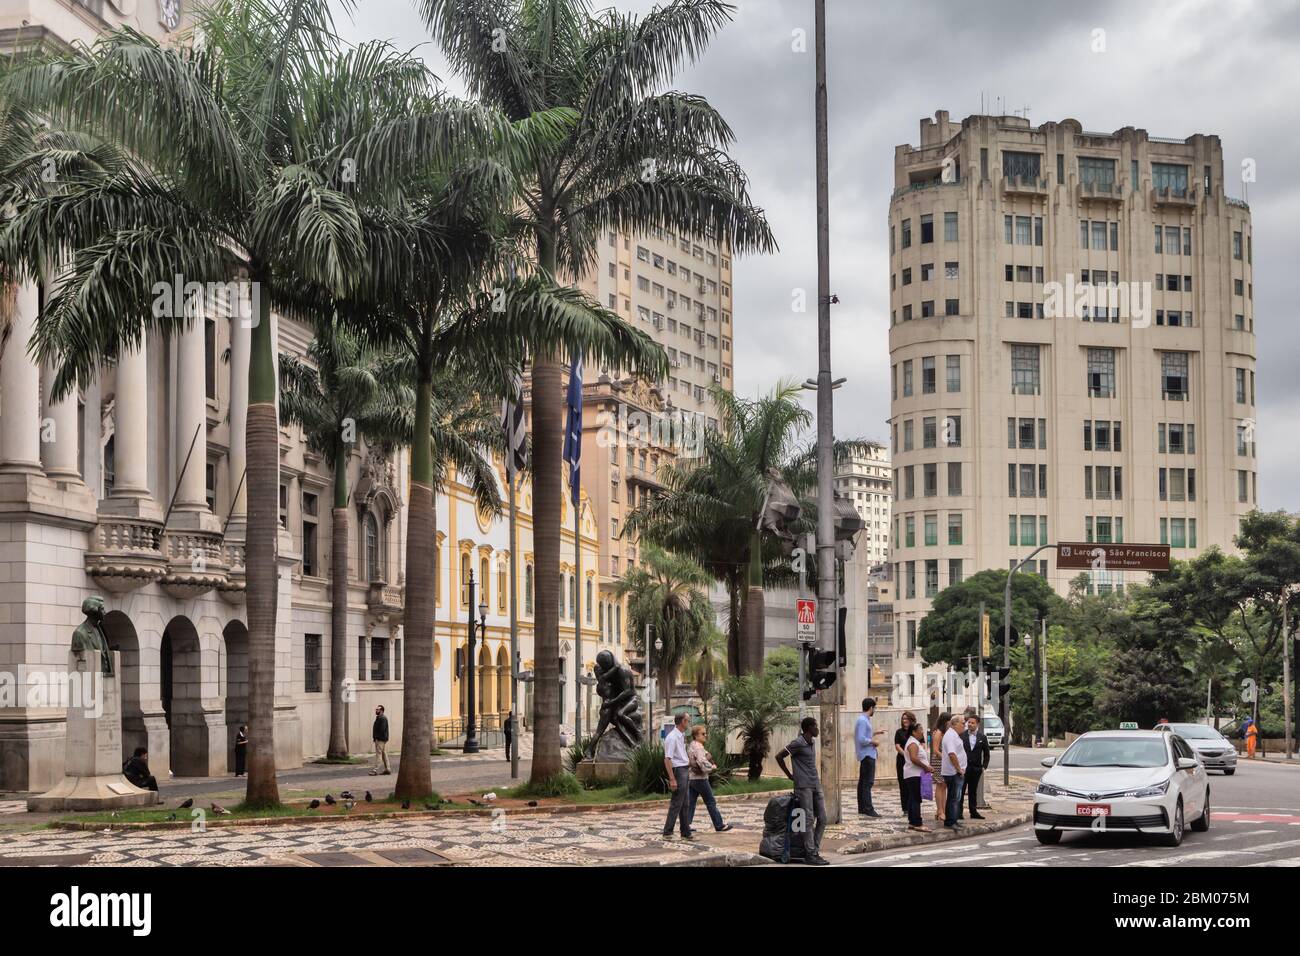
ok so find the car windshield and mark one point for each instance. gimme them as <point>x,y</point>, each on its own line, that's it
<point>1196,732</point>
<point>1116,752</point>
<point>992,723</point>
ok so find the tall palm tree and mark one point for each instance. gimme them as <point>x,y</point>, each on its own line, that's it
<point>243,154</point>
<point>706,663</point>
<point>637,158</point>
<point>669,593</point>
<point>711,505</point>
<point>343,394</point>
<point>440,287</point>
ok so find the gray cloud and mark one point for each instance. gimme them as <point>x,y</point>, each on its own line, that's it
<point>1174,68</point>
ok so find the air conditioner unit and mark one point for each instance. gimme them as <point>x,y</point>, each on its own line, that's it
<point>717,377</point>
<point>676,363</point>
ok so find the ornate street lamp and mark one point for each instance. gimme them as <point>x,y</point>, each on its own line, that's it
<point>471,730</point>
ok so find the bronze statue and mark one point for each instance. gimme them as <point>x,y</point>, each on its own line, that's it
<point>89,635</point>
<point>619,706</point>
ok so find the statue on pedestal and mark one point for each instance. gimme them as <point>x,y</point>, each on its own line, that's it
<point>89,635</point>
<point>619,709</point>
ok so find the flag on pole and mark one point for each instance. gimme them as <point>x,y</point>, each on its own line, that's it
<point>573,429</point>
<point>512,424</point>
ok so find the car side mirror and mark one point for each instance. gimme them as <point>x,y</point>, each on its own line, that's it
<point>1187,763</point>
<point>1049,761</point>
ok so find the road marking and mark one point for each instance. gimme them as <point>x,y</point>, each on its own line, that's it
<point>1008,842</point>
<point>1221,816</point>
<point>968,859</point>
<point>1238,836</point>
<point>1214,854</point>
<point>1291,861</point>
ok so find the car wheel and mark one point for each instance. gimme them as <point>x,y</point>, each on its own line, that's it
<point>1229,773</point>
<point>1175,836</point>
<point>1048,837</point>
<point>1202,823</point>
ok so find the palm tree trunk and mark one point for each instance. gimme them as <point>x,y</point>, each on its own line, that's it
<point>262,594</point>
<point>414,780</point>
<point>339,548</point>
<point>548,431</point>
<point>733,624</point>
<point>755,610</point>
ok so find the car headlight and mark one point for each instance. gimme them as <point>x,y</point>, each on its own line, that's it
<point>1159,790</point>
<point>1047,790</point>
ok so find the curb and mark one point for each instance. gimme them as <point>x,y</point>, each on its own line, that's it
<point>909,838</point>
<point>565,808</point>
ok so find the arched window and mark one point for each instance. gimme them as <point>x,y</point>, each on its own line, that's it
<point>374,571</point>
<point>485,593</point>
<point>528,589</point>
<point>601,617</point>
<point>465,572</point>
<point>437,573</point>
<point>573,597</point>
<point>503,582</point>
<point>588,600</point>
<point>618,622</point>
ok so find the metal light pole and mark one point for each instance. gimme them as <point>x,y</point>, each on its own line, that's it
<point>830,750</point>
<point>514,638</point>
<point>1286,667</point>
<point>471,730</point>
<point>1004,699</point>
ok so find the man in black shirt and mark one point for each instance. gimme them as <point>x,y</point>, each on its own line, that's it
<point>802,752</point>
<point>136,771</point>
<point>379,734</point>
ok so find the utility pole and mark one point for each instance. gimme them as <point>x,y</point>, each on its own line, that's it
<point>1046,733</point>
<point>830,751</point>
<point>1038,681</point>
<point>514,635</point>
<point>1006,662</point>
<point>1286,667</point>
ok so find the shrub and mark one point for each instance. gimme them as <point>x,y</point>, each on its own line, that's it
<point>562,784</point>
<point>577,753</point>
<point>754,704</point>
<point>645,771</point>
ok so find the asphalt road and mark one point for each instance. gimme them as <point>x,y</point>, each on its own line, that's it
<point>1255,821</point>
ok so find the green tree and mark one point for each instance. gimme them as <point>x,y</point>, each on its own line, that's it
<point>703,666</point>
<point>711,503</point>
<point>226,159</point>
<point>668,593</point>
<point>1148,676</point>
<point>754,705</point>
<point>951,631</point>
<point>783,665</point>
<point>636,159</point>
<point>344,393</point>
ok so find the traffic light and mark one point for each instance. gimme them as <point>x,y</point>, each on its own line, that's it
<point>841,638</point>
<point>1004,681</point>
<point>821,671</point>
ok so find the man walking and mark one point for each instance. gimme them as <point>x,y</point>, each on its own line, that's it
<point>954,769</point>
<point>678,765</point>
<point>977,761</point>
<point>509,733</point>
<point>864,745</point>
<point>802,752</point>
<point>379,735</point>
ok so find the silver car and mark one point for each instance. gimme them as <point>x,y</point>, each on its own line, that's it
<point>991,724</point>
<point>1213,749</point>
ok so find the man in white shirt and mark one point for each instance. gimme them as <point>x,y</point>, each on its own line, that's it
<point>678,766</point>
<point>954,769</point>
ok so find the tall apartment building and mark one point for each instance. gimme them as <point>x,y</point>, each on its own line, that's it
<point>867,482</point>
<point>1072,345</point>
<point>677,289</point>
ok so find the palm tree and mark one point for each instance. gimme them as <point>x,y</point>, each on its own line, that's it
<point>635,159</point>
<point>711,505</point>
<point>754,704</point>
<point>439,288</point>
<point>706,663</point>
<point>668,593</point>
<point>343,394</point>
<point>243,154</point>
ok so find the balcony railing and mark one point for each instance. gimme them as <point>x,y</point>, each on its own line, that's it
<point>1100,192</point>
<point>385,602</point>
<point>1030,185</point>
<point>126,553</point>
<point>196,562</point>
<point>1173,196</point>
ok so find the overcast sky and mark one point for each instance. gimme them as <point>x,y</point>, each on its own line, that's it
<point>1176,68</point>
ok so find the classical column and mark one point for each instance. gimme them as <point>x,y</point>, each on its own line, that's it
<point>191,419</point>
<point>237,460</point>
<point>20,390</point>
<point>60,443</point>
<point>131,424</point>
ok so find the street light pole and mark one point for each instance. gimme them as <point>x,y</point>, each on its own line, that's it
<point>1004,699</point>
<point>471,730</point>
<point>1286,667</point>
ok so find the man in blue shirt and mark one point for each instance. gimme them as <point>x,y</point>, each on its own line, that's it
<point>864,745</point>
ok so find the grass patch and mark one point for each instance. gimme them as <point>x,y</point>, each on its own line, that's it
<point>337,761</point>
<point>241,811</point>
<point>619,793</point>
<point>562,784</point>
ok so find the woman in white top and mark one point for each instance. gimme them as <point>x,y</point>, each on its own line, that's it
<point>914,764</point>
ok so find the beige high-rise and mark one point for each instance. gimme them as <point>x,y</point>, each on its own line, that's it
<point>1026,412</point>
<point>865,479</point>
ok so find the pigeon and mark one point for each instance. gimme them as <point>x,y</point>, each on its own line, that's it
<point>489,797</point>
<point>313,805</point>
<point>329,798</point>
<point>369,798</point>
<point>220,810</point>
<point>532,803</point>
<point>349,804</point>
<point>172,817</point>
<point>347,795</point>
<point>187,804</point>
<point>477,803</point>
<point>406,804</point>
<point>431,806</point>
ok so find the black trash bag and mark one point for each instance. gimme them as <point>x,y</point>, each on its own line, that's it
<point>776,830</point>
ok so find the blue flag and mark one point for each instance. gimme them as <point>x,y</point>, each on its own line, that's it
<point>573,429</point>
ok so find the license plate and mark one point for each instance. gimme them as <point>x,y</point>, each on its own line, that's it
<point>1093,809</point>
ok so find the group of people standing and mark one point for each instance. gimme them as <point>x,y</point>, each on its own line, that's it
<point>946,765</point>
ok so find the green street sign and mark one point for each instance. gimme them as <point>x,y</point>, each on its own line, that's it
<point>1128,725</point>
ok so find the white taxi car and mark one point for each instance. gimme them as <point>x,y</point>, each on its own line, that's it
<point>1142,781</point>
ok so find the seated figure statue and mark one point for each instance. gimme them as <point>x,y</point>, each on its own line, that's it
<point>619,708</point>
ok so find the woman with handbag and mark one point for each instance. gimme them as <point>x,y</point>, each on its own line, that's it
<point>936,760</point>
<point>701,765</point>
<point>901,737</point>
<point>915,767</point>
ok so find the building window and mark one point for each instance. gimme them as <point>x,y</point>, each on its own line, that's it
<point>1101,373</point>
<point>484,592</point>
<point>210,358</point>
<point>374,564</point>
<point>379,658</point>
<point>363,659</point>
<point>954,479</point>
<point>310,518</point>
<point>954,527</point>
<point>927,229</point>
<point>907,378</point>
<point>1173,376</point>
<point>950,227</point>
<point>1097,172</point>
<point>954,571</point>
<point>528,589</point>
<point>210,485</point>
<point>1025,378</point>
<point>954,373</point>
<point>928,384</point>
<point>311,672</point>
<point>1169,176</point>
<point>1022,166</point>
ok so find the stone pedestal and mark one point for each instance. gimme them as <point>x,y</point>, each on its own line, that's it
<point>93,756</point>
<point>602,771</point>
